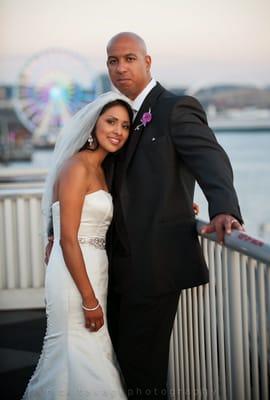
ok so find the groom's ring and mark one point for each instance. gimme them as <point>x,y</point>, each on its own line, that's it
<point>93,325</point>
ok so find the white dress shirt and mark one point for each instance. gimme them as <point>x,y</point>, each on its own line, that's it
<point>137,103</point>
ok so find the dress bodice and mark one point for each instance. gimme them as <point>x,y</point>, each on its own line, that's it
<point>96,215</point>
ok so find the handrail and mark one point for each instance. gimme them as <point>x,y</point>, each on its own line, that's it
<point>242,242</point>
<point>21,192</point>
<point>19,175</point>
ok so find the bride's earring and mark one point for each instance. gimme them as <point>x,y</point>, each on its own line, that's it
<point>90,140</point>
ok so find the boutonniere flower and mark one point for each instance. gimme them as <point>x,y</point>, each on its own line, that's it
<point>146,118</point>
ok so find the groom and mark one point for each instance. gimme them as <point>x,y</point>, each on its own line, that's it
<point>153,249</point>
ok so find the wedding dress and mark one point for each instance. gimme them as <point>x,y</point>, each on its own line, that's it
<point>77,364</point>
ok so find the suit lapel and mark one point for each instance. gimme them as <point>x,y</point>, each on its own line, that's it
<point>138,126</point>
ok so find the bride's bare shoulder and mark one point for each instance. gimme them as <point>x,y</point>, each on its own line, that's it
<point>75,162</point>
<point>75,166</point>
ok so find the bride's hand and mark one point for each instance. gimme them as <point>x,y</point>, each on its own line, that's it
<point>48,249</point>
<point>94,320</point>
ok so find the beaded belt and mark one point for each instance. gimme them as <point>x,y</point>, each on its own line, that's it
<point>97,242</point>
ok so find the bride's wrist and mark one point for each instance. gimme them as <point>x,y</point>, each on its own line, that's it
<point>87,308</point>
<point>90,301</point>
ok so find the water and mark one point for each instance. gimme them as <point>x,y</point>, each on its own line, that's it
<point>250,157</point>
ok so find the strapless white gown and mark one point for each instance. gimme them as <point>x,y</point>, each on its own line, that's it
<point>77,364</point>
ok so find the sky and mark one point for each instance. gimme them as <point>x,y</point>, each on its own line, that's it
<point>192,42</point>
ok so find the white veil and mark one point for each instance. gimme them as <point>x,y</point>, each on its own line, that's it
<point>71,138</point>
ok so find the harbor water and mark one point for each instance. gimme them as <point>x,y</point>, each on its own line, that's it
<point>250,157</point>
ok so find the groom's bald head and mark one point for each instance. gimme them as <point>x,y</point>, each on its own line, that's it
<point>128,63</point>
<point>128,36</point>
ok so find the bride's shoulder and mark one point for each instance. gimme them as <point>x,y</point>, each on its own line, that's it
<point>75,165</point>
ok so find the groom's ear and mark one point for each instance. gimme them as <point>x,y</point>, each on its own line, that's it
<point>148,61</point>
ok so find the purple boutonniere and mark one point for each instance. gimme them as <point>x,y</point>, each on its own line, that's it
<point>146,118</point>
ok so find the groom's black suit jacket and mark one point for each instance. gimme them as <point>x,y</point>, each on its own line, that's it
<point>153,186</point>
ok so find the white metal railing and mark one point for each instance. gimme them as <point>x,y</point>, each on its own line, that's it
<point>21,249</point>
<point>220,346</point>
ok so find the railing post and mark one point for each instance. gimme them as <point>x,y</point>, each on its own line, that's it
<point>236,327</point>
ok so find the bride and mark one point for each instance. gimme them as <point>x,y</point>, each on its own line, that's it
<point>77,361</point>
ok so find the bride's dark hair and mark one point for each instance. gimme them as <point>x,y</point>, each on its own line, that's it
<point>113,103</point>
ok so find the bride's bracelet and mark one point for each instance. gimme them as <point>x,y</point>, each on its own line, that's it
<point>90,309</point>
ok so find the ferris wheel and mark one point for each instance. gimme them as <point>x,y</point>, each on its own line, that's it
<point>51,87</point>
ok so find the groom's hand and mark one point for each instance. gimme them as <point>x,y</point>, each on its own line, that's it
<point>222,224</point>
<point>196,208</point>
